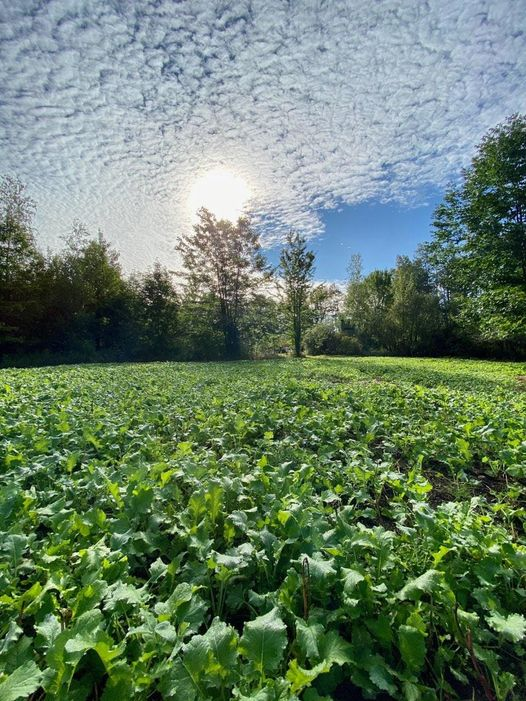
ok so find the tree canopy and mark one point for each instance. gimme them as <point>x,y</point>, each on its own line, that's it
<point>223,259</point>
<point>297,269</point>
<point>478,251</point>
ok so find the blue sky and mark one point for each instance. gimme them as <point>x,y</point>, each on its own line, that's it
<point>340,116</point>
<point>379,232</point>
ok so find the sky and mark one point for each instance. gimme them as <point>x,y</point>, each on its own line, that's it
<point>344,119</point>
<point>378,231</point>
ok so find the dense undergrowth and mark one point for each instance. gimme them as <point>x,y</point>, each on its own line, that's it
<point>329,529</point>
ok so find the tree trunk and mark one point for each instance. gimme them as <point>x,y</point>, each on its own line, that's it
<point>297,332</point>
<point>232,341</point>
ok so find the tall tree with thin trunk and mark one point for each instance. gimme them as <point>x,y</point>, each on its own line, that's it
<point>19,261</point>
<point>223,259</point>
<point>297,269</point>
<point>157,312</point>
<point>17,244</point>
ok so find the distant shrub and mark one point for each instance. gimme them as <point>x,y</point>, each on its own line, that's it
<point>348,345</point>
<point>324,339</point>
<point>318,338</point>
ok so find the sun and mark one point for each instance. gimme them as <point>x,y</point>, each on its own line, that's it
<point>222,192</point>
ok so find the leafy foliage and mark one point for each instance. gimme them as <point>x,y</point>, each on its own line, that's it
<point>479,247</point>
<point>397,309</point>
<point>23,681</point>
<point>333,529</point>
<point>223,258</point>
<point>264,640</point>
<point>296,266</point>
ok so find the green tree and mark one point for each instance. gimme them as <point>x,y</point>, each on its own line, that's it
<point>97,274</point>
<point>479,244</point>
<point>223,260</point>
<point>325,301</point>
<point>87,301</point>
<point>296,269</point>
<point>157,313</point>
<point>202,336</point>
<point>20,263</point>
<point>264,326</point>
<point>414,313</point>
<point>366,306</point>
<point>17,243</point>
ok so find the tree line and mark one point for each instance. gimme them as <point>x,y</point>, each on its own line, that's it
<point>464,293</point>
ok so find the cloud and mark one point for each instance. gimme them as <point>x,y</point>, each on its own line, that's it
<point>111,110</point>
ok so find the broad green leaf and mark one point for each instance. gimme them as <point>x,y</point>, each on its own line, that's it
<point>504,683</point>
<point>100,642</point>
<point>319,568</point>
<point>411,692</point>
<point>265,694</point>
<point>416,621</point>
<point>381,676</point>
<point>72,460</point>
<point>334,649</point>
<point>381,628</point>
<point>182,594</point>
<point>439,555</point>
<point>231,562</point>
<point>283,517</point>
<point>14,546</point>
<point>89,596</point>
<point>114,490</point>
<point>13,634</point>
<point>222,641</point>
<point>308,636</point>
<point>158,569</point>
<point>89,635</point>
<point>21,683</point>
<point>299,678</point>
<point>213,500</point>
<point>239,519</point>
<point>166,630</point>
<point>351,578</point>
<point>311,694</point>
<point>184,448</point>
<point>88,623</point>
<point>412,647</point>
<point>264,640</point>
<point>428,583</point>
<point>195,655</point>
<point>178,683</point>
<point>213,653</point>
<point>49,629</point>
<point>119,685</point>
<point>121,592</point>
<point>512,627</point>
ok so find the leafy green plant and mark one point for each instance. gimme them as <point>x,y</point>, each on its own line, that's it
<point>271,531</point>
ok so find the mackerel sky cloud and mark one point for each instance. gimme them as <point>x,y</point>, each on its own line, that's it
<point>110,111</point>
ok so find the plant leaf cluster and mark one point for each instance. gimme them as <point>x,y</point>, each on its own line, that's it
<point>271,531</point>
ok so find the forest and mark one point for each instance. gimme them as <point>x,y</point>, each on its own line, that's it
<point>463,294</point>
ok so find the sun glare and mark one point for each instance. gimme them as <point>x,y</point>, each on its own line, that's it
<point>220,191</point>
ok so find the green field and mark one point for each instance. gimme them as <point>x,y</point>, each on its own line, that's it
<point>315,529</point>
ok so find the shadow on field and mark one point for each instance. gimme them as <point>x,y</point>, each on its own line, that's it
<point>410,370</point>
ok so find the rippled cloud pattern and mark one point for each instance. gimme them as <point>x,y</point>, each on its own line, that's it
<point>110,110</point>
